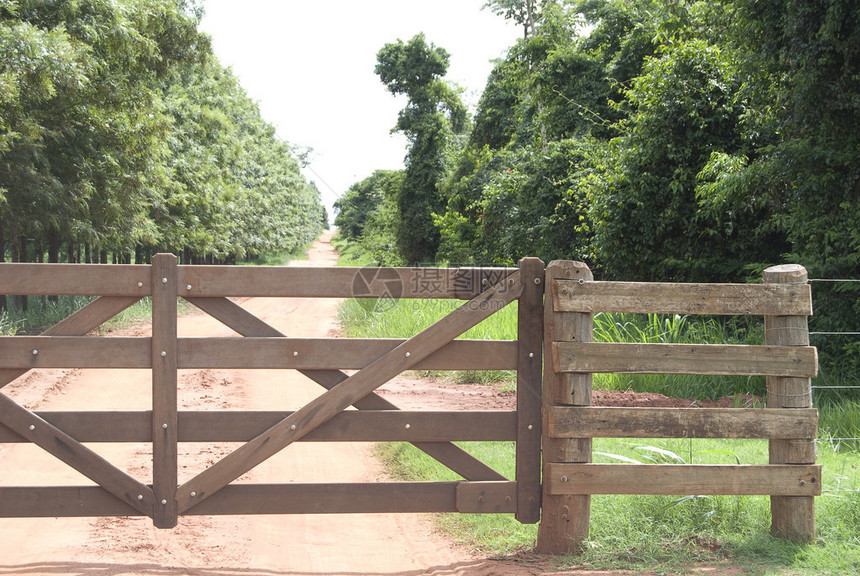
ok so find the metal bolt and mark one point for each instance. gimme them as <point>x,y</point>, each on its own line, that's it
<point>140,496</point>
<point>564,478</point>
<point>484,282</point>
<point>164,425</point>
<point>511,281</point>
<point>295,353</point>
<point>537,281</point>
<point>140,284</point>
<point>408,426</point>
<point>32,427</point>
<point>164,502</point>
<point>188,286</point>
<point>164,280</point>
<point>163,353</point>
<point>531,354</point>
<point>292,426</point>
<point>531,427</point>
<point>408,354</point>
<point>582,280</point>
<point>803,482</point>
<point>507,498</point>
<point>193,494</point>
<point>35,352</point>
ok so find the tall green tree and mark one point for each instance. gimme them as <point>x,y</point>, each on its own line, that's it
<point>432,115</point>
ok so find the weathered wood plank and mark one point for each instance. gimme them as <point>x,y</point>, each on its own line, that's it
<point>564,518</point>
<point>346,393</point>
<point>164,359</point>
<point>791,517</point>
<point>668,298</point>
<point>29,352</point>
<point>81,322</point>
<point>241,426</point>
<point>340,282</point>
<point>68,450</point>
<point>669,479</point>
<point>487,497</point>
<point>243,322</point>
<point>607,422</point>
<point>628,358</point>
<point>386,497</point>
<point>337,353</point>
<point>75,279</point>
<point>61,502</point>
<point>529,359</point>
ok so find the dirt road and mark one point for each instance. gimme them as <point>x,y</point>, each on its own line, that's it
<point>216,546</point>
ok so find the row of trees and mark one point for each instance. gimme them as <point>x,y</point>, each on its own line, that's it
<point>687,141</point>
<point>121,135</point>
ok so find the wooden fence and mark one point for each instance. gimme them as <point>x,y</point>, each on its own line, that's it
<point>552,425</point>
<point>570,422</point>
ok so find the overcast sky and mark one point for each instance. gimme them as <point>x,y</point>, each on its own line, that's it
<point>310,66</point>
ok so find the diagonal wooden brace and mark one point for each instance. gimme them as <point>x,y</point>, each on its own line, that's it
<point>67,449</point>
<point>343,395</point>
<point>447,453</point>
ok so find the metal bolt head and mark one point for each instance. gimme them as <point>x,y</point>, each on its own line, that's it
<point>531,427</point>
<point>163,353</point>
<point>295,353</point>
<point>507,498</point>
<point>408,354</point>
<point>188,286</point>
<point>32,427</point>
<point>511,281</point>
<point>164,501</point>
<point>164,280</point>
<point>292,426</point>
<point>408,426</point>
<point>193,494</point>
<point>484,282</point>
<point>164,425</point>
<point>537,281</point>
<point>803,482</point>
<point>35,352</point>
<point>531,354</point>
<point>140,496</point>
<point>564,478</point>
<point>140,284</point>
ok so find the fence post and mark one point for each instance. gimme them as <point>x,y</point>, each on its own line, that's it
<point>564,519</point>
<point>164,416</point>
<point>792,517</point>
<point>529,336</point>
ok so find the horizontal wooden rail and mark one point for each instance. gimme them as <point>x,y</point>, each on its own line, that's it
<point>241,426</point>
<point>390,497</point>
<point>75,279</point>
<point>670,298</point>
<point>607,422</point>
<point>25,352</point>
<point>341,282</point>
<point>684,479</point>
<point>607,357</point>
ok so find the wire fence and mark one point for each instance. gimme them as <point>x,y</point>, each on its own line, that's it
<point>824,334</point>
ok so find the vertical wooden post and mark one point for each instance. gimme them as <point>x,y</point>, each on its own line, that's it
<point>564,519</point>
<point>164,419</point>
<point>529,336</point>
<point>792,517</point>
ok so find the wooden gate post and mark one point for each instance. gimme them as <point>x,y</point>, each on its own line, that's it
<point>792,517</point>
<point>164,411</point>
<point>564,518</point>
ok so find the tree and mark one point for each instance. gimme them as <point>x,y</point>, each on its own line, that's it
<point>434,112</point>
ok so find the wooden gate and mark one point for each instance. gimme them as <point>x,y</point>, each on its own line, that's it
<point>68,345</point>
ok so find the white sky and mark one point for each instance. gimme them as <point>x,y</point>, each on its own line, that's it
<point>310,64</point>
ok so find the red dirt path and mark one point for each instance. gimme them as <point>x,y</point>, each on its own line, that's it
<point>321,545</point>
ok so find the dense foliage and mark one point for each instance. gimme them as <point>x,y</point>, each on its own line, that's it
<point>121,134</point>
<point>685,141</point>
